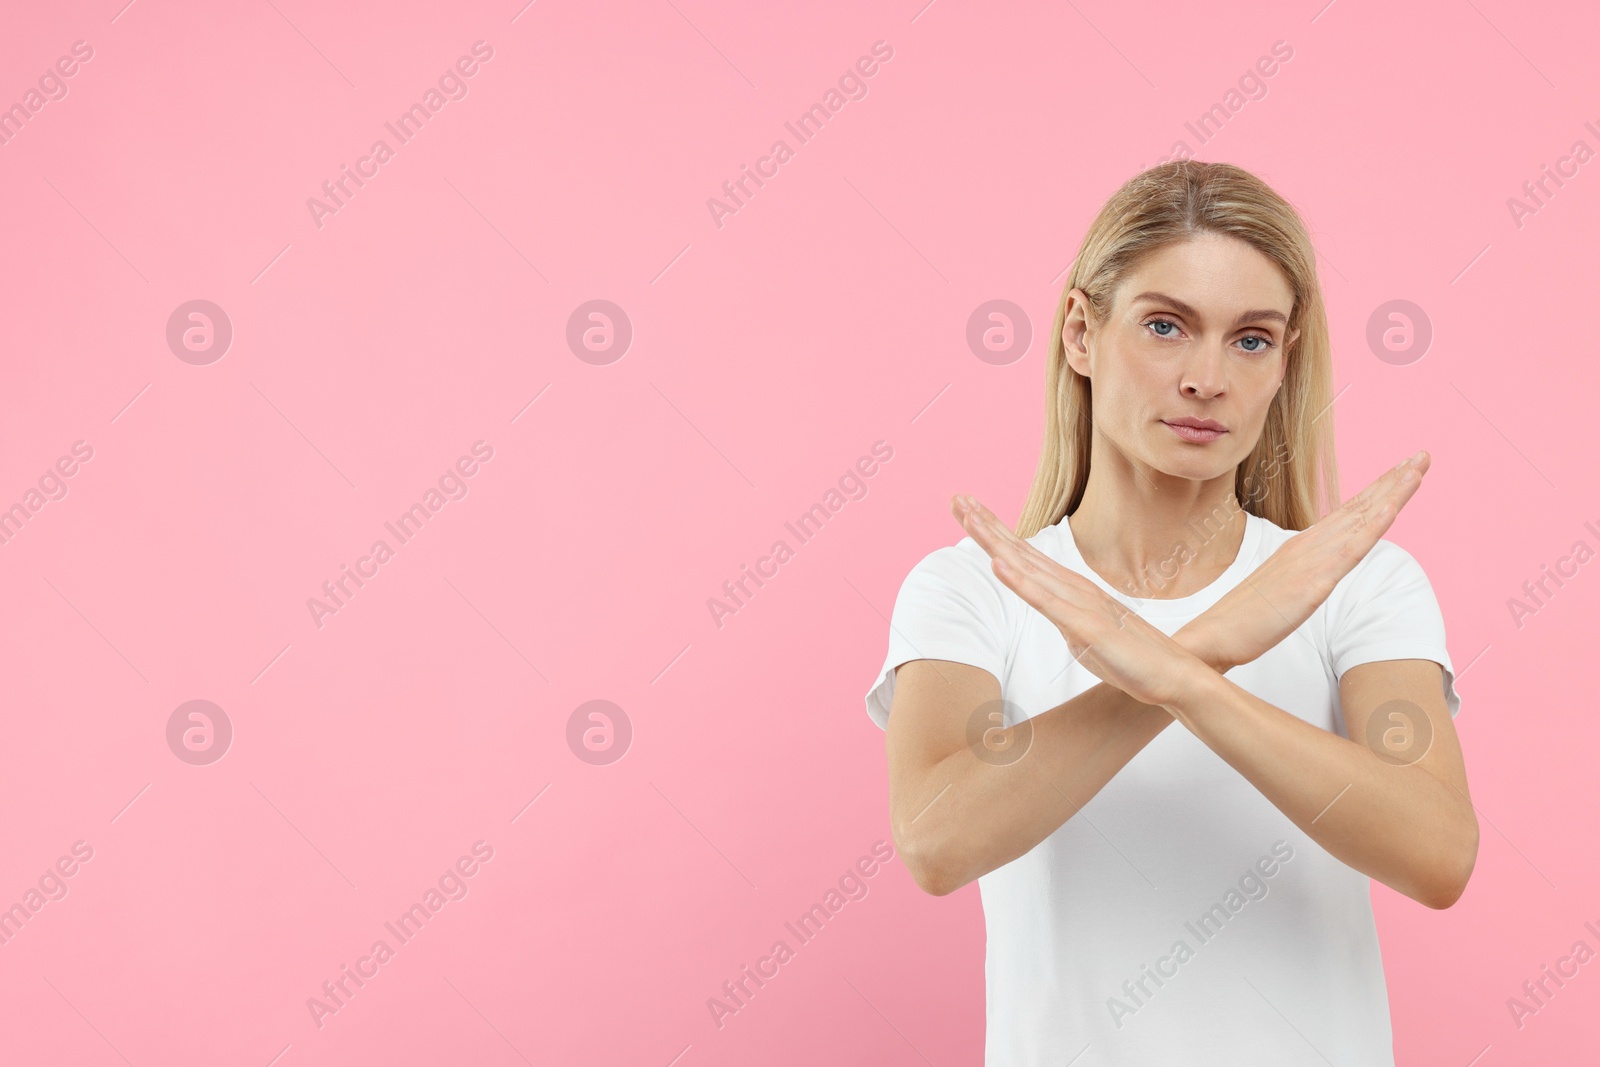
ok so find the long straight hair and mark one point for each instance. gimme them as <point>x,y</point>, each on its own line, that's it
<point>1291,477</point>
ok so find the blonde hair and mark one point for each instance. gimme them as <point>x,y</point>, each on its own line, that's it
<point>1176,201</point>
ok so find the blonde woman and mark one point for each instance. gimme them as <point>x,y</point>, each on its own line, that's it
<point>1177,719</point>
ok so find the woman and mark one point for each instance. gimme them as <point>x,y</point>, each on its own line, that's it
<point>1198,894</point>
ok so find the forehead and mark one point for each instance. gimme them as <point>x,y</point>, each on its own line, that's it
<point>1218,275</point>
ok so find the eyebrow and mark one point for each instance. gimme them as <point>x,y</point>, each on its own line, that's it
<point>1184,309</point>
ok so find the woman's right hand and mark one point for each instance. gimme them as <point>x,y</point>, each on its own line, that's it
<point>1272,602</point>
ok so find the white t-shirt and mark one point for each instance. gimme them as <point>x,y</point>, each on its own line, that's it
<point>1240,939</point>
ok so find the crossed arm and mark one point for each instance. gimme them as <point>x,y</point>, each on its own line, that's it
<point>1409,825</point>
<point>1404,820</point>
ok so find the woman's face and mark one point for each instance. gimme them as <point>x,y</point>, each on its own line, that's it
<point>1198,331</point>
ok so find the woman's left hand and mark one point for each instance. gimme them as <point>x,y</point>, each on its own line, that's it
<point>1111,640</point>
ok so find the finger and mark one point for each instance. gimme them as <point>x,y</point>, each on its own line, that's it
<point>997,530</point>
<point>1397,481</point>
<point>1037,589</point>
<point>1380,502</point>
<point>1001,542</point>
<point>991,534</point>
<point>1400,494</point>
<point>1003,538</point>
<point>1023,560</point>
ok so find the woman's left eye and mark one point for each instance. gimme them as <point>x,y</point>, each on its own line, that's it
<point>1265,343</point>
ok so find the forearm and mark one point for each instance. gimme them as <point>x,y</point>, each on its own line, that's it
<point>1397,824</point>
<point>980,811</point>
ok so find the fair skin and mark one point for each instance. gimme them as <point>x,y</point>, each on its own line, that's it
<point>955,817</point>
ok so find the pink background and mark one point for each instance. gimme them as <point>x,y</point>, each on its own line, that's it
<point>767,356</point>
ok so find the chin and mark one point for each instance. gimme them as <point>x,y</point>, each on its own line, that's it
<point>1196,468</point>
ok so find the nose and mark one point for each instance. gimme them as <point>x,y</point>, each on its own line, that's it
<point>1205,374</point>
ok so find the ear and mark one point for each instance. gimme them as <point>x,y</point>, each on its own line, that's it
<point>1074,333</point>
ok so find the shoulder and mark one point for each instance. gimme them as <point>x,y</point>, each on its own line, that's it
<point>1385,565</point>
<point>964,572</point>
<point>971,560</point>
<point>1387,574</point>
<point>963,564</point>
<point>1387,578</point>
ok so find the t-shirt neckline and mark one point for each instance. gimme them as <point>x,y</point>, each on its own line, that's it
<point>1190,605</point>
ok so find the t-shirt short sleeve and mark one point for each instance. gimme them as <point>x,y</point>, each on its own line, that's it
<point>1385,608</point>
<point>951,606</point>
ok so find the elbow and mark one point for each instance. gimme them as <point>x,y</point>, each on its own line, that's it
<point>928,864</point>
<point>1453,883</point>
<point>931,876</point>
<point>935,882</point>
<point>1445,896</point>
<point>1442,896</point>
<point>926,881</point>
<point>1451,891</point>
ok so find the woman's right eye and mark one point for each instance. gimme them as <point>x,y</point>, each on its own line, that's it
<point>1161,322</point>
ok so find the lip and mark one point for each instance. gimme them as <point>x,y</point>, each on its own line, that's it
<point>1196,431</point>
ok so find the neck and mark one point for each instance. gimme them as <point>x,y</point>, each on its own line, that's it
<point>1153,535</point>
